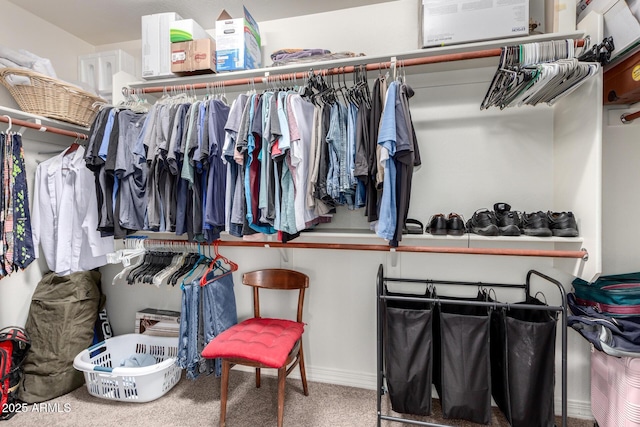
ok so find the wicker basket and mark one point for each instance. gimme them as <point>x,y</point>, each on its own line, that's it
<point>52,98</point>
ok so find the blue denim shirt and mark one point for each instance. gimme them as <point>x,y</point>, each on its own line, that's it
<point>387,138</point>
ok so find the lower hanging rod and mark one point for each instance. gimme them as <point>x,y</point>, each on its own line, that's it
<point>581,254</point>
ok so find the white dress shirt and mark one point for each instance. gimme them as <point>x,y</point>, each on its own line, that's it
<point>64,218</point>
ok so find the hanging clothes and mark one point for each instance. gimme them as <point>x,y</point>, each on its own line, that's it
<point>65,215</point>
<point>17,247</point>
<point>278,162</point>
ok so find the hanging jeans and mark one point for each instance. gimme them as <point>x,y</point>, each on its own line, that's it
<point>200,323</point>
<point>188,354</point>
<point>218,309</point>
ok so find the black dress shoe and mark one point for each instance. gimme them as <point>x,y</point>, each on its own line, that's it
<point>563,224</point>
<point>455,225</point>
<point>536,224</point>
<point>437,225</point>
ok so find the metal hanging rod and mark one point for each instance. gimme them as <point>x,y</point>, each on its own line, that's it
<point>581,254</point>
<point>425,60</point>
<point>41,128</point>
<point>629,117</point>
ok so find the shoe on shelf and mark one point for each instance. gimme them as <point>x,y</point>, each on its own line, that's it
<point>501,208</point>
<point>455,225</point>
<point>536,224</point>
<point>563,224</point>
<point>509,222</point>
<point>412,226</point>
<point>437,225</point>
<point>484,223</point>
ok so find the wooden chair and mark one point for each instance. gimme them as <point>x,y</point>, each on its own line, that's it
<point>263,342</point>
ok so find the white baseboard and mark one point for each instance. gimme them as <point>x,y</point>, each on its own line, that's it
<point>575,408</point>
<point>327,375</point>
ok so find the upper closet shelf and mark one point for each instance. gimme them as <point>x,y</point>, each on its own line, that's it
<point>482,54</point>
<point>42,129</point>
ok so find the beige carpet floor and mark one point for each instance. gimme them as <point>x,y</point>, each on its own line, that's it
<point>196,403</point>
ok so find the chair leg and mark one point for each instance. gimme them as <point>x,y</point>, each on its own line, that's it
<point>224,391</point>
<point>303,371</point>
<point>257,377</point>
<point>282,377</point>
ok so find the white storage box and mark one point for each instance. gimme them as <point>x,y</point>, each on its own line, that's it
<point>97,69</point>
<point>447,22</point>
<point>156,45</point>
<point>105,377</point>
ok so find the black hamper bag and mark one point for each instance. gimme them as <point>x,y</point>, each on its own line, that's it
<point>408,354</point>
<point>523,362</point>
<point>462,364</point>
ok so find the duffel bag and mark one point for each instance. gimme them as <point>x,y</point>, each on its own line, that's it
<point>613,290</point>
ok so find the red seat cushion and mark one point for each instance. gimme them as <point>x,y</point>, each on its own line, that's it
<point>264,340</point>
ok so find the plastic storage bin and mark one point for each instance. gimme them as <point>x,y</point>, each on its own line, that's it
<point>615,390</point>
<point>105,377</point>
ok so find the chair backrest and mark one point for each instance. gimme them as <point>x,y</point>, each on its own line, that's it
<point>279,279</point>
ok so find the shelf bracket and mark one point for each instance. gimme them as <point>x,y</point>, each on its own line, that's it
<point>284,256</point>
<point>394,257</point>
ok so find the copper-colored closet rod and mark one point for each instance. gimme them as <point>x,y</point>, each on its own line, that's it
<point>41,128</point>
<point>581,254</point>
<point>628,118</point>
<point>451,57</point>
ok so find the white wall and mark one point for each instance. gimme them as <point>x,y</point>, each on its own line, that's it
<point>22,30</point>
<point>621,156</point>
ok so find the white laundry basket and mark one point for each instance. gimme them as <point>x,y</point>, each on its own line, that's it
<point>105,377</point>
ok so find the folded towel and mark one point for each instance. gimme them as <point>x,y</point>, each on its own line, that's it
<point>289,54</point>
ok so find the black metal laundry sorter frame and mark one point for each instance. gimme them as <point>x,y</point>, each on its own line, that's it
<point>383,296</point>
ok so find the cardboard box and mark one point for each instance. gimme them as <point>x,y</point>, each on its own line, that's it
<point>238,45</point>
<point>156,44</point>
<point>448,22</point>
<point>193,57</point>
<point>152,321</point>
<point>186,30</point>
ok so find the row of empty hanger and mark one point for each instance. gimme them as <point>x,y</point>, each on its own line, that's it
<point>536,73</point>
<point>168,262</point>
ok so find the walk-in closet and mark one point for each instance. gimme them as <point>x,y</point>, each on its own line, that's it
<point>478,146</point>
